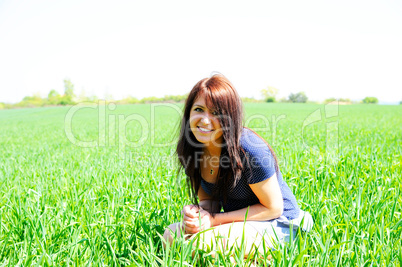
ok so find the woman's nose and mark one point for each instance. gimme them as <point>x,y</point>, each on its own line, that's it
<point>206,120</point>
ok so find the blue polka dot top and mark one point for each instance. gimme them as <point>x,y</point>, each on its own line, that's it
<point>258,165</point>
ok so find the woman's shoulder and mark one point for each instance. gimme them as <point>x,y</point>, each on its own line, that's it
<point>260,161</point>
<point>252,143</point>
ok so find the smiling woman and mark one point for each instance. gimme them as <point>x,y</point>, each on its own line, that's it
<point>231,167</point>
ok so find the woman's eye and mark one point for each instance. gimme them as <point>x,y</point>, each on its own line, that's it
<point>198,109</point>
<point>215,113</point>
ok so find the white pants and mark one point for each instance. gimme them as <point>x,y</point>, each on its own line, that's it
<point>281,230</point>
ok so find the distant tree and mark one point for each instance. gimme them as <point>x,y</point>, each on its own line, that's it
<point>53,98</point>
<point>269,94</point>
<point>343,100</point>
<point>151,99</point>
<point>52,93</point>
<point>370,100</point>
<point>68,87</point>
<point>129,100</point>
<point>67,98</point>
<point>249,100</point>
<point>174,98</point>
<point>5,105</point>
<point>329,100</point>
<point>31,101</point>
<point>400,102</point>
<point>298,97</point>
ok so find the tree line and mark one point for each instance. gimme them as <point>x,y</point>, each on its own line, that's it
<point>69,98</point>
<point>269,95</point>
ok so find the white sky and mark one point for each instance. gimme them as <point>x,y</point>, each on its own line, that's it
<point>349,49</point>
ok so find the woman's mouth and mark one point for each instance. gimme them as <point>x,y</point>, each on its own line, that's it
<point>204,130</point>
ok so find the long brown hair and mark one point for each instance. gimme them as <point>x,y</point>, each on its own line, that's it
<point>222,96</point>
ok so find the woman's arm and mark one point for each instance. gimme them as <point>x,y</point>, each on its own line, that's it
<point>270,207</point>
<point>206,203</point>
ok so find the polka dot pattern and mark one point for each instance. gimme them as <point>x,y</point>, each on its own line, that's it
<point>258,165</point>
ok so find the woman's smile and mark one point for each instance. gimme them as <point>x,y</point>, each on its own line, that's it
<point>204,130</point>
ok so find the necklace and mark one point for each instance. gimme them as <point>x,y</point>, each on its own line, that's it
<point>211,171</point>
<point>207,158</point>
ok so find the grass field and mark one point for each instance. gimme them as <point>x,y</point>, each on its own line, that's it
<point>65,200</point>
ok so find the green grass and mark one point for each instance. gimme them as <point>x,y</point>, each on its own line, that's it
<point>62,204</point>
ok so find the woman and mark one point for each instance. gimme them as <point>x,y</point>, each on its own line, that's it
<point>231,167</point>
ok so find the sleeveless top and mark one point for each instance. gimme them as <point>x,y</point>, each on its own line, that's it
<point>258,165</point>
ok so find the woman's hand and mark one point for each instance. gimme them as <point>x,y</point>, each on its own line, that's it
<point>196,219</point>
<point>190,212</point>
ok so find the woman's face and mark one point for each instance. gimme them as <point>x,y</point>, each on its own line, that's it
<point>204,123</point>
